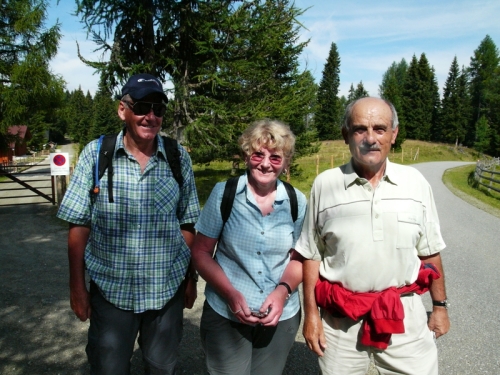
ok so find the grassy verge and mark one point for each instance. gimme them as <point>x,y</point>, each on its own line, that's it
<point>460,182</point>
<point>333,154</point>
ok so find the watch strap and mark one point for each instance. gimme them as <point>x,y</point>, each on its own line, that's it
<point>289,290</point>
<point>443,303</point>
<point>193,275</point>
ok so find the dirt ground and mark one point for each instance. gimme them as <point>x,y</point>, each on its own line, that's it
<point>39,334</point>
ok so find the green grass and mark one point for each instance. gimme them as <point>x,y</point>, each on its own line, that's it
<point>461,182</point>
<point>332,154</point>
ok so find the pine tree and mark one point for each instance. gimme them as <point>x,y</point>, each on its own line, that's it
<point>360,91</point>
<point>104,117</point>
<point>29,92</point>
<point>482,68</point>
<point>483,135</point>
<point>420,99</point>
<point>230,62</point>
<point>327,115</point>
<point>80,119</point>
<point>351,95</point>
<point>483,73</point>
<point>494,112</point>
<point>454,114</point>
<point>391,89</point>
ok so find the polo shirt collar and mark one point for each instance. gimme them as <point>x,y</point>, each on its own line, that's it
<point>351,177</point>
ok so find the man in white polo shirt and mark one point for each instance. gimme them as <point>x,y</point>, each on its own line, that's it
<point>371,240</point>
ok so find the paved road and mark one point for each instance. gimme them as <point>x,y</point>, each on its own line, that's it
<point>40,335</point>
<point>472,264</point>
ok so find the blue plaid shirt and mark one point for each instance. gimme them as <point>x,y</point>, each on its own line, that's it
<point>254,249</point>
<point>136,253</point>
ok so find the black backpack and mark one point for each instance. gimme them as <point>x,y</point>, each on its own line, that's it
<point>105,151</point>
<point>230,192</point>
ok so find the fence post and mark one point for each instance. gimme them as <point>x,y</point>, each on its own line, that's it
<point>60,188</point>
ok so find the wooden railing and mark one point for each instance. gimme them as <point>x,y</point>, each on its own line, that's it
<point>487,170</point>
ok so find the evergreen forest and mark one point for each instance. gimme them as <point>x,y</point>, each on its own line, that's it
<point>226,63</point>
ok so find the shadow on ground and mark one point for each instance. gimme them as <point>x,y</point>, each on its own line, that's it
<point>39,333</point>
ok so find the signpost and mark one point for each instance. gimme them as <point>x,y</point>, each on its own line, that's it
<point>59,164</point>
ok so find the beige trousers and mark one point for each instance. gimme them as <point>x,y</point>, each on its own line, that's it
<point>413,352</point>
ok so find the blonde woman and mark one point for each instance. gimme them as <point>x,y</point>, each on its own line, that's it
<point>252,309</point>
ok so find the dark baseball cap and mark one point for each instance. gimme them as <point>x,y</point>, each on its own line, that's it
<point>140,85</point>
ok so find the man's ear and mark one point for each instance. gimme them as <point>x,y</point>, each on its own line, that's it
<point>394,135</point>
<point>121,111</point>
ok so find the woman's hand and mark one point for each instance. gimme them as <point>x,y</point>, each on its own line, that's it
<point>237,303</point>
<point>275,303</point>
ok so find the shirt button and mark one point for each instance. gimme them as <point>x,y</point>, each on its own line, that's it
<point>261,232</point>
<point>260,272</point>
<point>261,291</point>
<point>139,226</point>
<point>258,252</point>
<point>376,216</point>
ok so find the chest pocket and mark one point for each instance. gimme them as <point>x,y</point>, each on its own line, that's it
<point>409,230</point>
<point>166,196</point>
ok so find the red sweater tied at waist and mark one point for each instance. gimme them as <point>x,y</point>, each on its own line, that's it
<point>384,310</point>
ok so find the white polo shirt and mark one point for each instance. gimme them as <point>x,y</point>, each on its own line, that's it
<point>370,239</point>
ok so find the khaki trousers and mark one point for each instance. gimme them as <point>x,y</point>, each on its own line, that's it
<point>413,352</point>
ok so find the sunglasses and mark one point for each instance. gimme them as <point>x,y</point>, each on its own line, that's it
<point>143,108</point>
<point>258,157</point>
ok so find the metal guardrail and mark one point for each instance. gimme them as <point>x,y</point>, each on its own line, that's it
<point>484,167</point>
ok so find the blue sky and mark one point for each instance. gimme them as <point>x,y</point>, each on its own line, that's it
<point>370,35</point>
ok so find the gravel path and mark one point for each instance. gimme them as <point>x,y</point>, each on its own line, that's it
<point>40,335</point>
<point>471,262</point>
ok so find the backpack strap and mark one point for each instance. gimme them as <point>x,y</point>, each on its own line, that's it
<point>105,149</point>
<point>173,158</point>
<point>105,161</point>
<point>292,195</point>
<point>230,192</point>
<point>228,198</point>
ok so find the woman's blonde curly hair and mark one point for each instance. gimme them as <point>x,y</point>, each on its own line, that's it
<point>272,134</point>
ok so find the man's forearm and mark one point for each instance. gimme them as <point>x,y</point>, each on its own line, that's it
<point>77,241</point>
<point>438,288</point>
<point>310,278</point>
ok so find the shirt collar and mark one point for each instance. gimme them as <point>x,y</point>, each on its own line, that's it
<point>281,193</point>
<point>351,177</point>
<point>160,147</point>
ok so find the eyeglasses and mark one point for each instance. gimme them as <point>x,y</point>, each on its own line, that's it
<point>143,108</point>
<point>258,157</point>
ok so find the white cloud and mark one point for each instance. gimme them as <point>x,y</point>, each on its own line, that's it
<point>71,68</point>
<point>371,35</point>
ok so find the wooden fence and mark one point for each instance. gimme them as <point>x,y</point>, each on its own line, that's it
<point>486,170</point>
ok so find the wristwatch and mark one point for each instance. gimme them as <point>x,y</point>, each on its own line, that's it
<point>193,275</point>
<point>443,303</point>
<point>288,289</point>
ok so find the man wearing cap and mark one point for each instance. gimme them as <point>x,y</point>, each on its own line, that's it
<point>136,249</point>
<point>372,243</point>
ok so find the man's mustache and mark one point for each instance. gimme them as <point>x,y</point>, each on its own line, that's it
<point>369,148</point>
